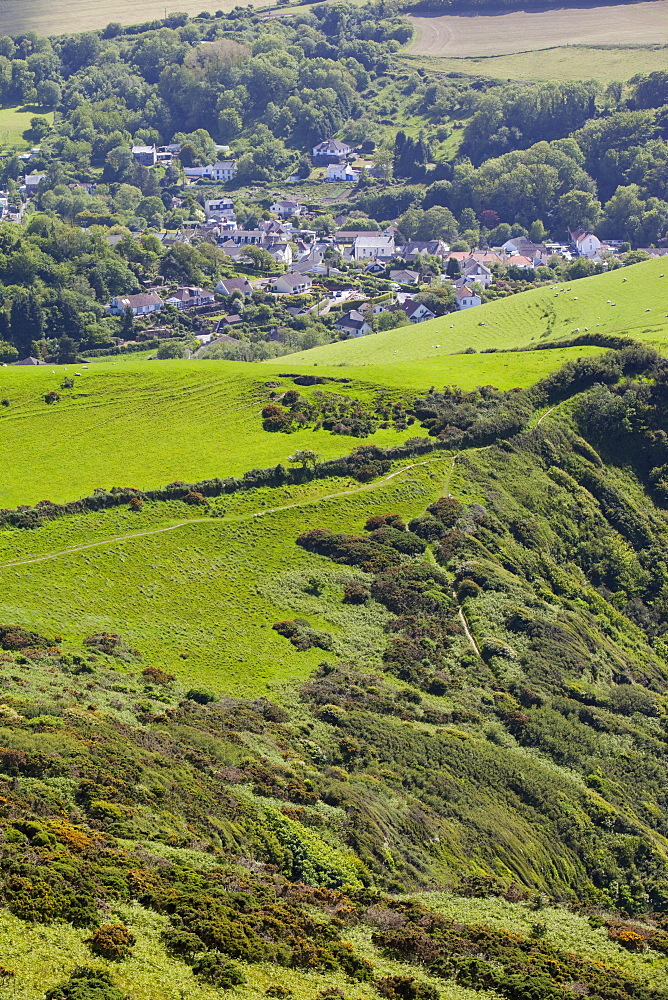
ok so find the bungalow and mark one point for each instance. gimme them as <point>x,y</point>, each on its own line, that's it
<point>366,247</point>
<point>190,296</point>
<point>145,155</point>
<point>221,171</point>
<point>376,267</point>
<point>586,244</point>
<point>291,284</point>
<point>144,302</point>
<point>466,298</point>
<point>330,149</point>
<point>417,312</point>
<point>405,277</point>
<point>29,361</point>
<point>340,170</point>
<point>247,237</point>
<point>286,209</point>
<point>354,323</point>
<point>227,286</point>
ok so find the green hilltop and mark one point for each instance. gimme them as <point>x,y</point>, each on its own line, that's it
<point>631,300</point>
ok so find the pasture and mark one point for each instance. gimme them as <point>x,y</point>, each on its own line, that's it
<point>14,122</point>
<point>197,593</point>
<point>521,31</point>
<point>130,422</point>
<point>630,300</point>
<point>566,62</point>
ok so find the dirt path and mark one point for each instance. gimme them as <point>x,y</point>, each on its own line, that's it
<point>217,520</point>
<point>465,626</point>
<point>547,412</point>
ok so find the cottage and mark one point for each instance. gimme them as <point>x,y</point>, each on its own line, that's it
<point>373,247</point>
<point>144,302</point>
<point>376,267</point>
<point>340,170</point>
<point>405,277</point>
<point>30,361</point>
<point>221,171</point>
<point>227,286</point>
<point>346,237</point>
<point>190,296</point>
<point>466,298</point>
<point>586,244</point>
<point>330,149</point>
<point>286,209</point>
<point>353,323</point>
<point>417,312</point>
<point>291,284</point>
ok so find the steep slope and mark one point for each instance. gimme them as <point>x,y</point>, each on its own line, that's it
<point>630,300</point>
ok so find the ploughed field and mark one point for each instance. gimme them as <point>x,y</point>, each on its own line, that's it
<point>520,31</point>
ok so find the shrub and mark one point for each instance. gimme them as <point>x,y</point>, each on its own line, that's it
<point>355,593</point>
<point>51,397</point>
<point>201,697</point>
<point>218,970</point>
<point>447,510</point>
<point>112,941</point>
<point>154,675</point>
<point>378,520</point>
<point>111,644</point>
<point>195,498</point>
<point>85,983</point>
<point>136,503</point>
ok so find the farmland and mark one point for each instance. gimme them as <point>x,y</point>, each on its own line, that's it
<point>564,62</point>
<point>633,300</point>
<point>520,31</point>
<point>14,122</point>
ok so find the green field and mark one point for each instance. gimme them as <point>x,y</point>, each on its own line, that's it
<point>198,594</point>
<point>631,300</point>
<point>564,62</point>
<point>144,424</point>
<point>14,122</point>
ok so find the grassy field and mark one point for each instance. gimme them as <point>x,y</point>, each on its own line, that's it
<point>199,598</point>
<point>563,62</point>
<point>630,300</point>
<point>144,424</point>
<point>14,122</point>
<point>521,31</point>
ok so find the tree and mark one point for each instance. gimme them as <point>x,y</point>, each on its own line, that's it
<point>307,459</point>
<point>8,352</point>
<point>67,351</point>
<point>26,322</point>
<point>453,270</point>
<point>579,210</point>
<point>170,350</point>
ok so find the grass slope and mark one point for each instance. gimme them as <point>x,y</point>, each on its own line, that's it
<point>563,62</point>
<point>200,599</point>
<point>139,424</point>
<point>607,303</point>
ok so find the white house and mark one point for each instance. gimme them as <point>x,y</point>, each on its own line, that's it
<point>342,171</point>
<point>331,149</point>
<point>281,252</point>
<point>286,209</point>
<point>247,237</point>
<point>354,323</point>
<point>291,284</point>
<point>144,302</point>
<point>586,244</point>
<point>222,170</point>
<point>417,312</point>
<point>221,208</point>
<point>373,247</point>
<point>466,299</point>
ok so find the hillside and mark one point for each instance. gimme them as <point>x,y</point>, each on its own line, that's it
<point>237,753</point>
<point>631,300</point>
<point>140,423</point>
